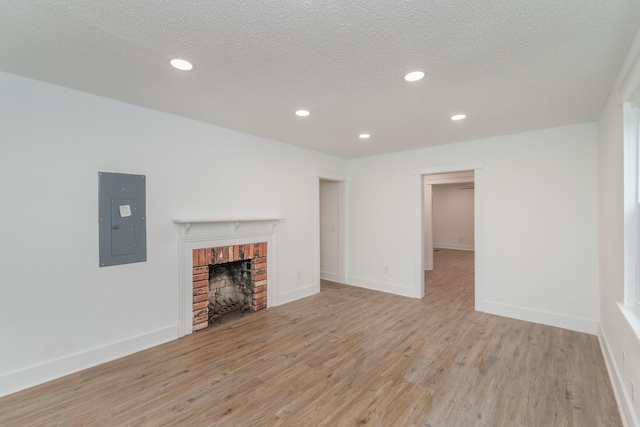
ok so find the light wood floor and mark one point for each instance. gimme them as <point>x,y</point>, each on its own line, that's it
<point>345,357</point>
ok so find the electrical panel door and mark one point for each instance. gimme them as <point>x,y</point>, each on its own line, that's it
<point>122,218</point>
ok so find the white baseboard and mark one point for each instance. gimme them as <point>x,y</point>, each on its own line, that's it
<point>543,317</point>
<point>35,375</point>
<point>381,286</point>
<point>297,294</point>
<point>333,277</point>
<point>625,404</point>
<point>456,247</point>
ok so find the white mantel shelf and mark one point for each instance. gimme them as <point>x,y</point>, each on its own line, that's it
<point>195,220</point>
<point>235,222</point>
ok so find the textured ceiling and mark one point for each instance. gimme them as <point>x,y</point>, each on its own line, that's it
<point>511,66</point>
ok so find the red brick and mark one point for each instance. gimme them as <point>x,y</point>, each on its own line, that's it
<point>200,326</point>
<point>194,254</point>
<point>200,284</point>
<point>259,307</point>
<point>260,283</point>
<point>200,298</point>
<point>215,255</point>
<point>258,289</point>
<point>236,253</point>
<point>207,255</point>
<point>248,251</point>
<point>200,312</point>
<point>199,305</point>
<point>201,270</point>
<point>259,277</point>
<point>200,291</point>
<point>199,277</point>
<point>199,319</point>
<point>202,259</point>
<point>262,300</point>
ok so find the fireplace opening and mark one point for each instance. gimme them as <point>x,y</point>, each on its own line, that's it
<point>228,279</point>
<point>230,288</point>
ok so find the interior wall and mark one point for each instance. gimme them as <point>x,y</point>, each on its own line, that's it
<point>329,205</point>
<point>539,228</point>
<point>60,312</point>
<point>621,345</point>
<point>453,216</point>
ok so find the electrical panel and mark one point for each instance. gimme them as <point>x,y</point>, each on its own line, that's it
<point>122,218</point>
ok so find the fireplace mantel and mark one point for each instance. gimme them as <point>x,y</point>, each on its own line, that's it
<point>227,225</point>
<point>202,232</point>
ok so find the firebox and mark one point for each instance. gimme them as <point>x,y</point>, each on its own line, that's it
<point>230,288</point>
<point>226,279</point>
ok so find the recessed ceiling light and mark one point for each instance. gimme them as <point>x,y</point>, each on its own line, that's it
<point>302,113</point>
<point>181,64</point>
<point>364,136</point>
<point>458,117</point>
<point>414,76</point>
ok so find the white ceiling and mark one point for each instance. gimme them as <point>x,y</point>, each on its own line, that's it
<point>511,66</point>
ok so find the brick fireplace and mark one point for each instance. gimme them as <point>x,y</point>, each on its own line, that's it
<point>221,242</point>
<point>206,259</point>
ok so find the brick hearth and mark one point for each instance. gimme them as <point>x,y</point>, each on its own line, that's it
<point>256,252</point>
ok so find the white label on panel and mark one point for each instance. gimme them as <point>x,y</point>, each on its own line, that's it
<point>125,211</point>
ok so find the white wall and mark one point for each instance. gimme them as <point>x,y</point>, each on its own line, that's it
<point>539,210</point>
<point>59,312</point>
<point>329,205</point>
<point>453,216</point>
<point>617,335</point>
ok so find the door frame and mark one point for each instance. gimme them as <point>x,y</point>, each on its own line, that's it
<point>476,167</point>
<point>427,221</point>
<point>341,228</point>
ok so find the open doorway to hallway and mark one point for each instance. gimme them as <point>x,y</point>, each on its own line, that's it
<point>329,225</point>
<point>331,228</point>
<point>449,219</point>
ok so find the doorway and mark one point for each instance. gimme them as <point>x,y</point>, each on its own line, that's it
<point>425,180</point>
<point>331,228</point>
<point>329,224</point>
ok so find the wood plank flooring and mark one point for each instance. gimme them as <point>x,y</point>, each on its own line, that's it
<point>345,357</point>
